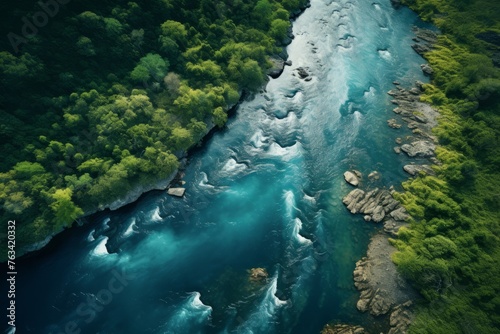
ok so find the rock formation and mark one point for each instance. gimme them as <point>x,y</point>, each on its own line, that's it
<point>343,329</point>
<point>178,192</point>
<point>352,177</point>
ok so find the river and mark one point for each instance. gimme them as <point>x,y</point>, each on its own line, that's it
<point>265,192</point>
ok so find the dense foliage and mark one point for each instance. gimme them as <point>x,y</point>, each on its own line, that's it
<point>451,251</point>
<point>107,95</point>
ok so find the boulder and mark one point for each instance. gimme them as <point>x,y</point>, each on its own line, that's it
<point>378,214</point>
<point>399,214</point>
<point>427,69</point>
<point>420,85</point>
<point>258,274</point>
<point>302,72</point>
<point>420,48</point>
<point>351,178</point>
<point>178,192</point>
<point>401,318</point>
<point>392,227</point>
<point>393,123</point>
<point>421,148</point>
<point>277,67</point>
<point>352,199</point>
<point>379,305</point>
<point>343,329</point>
<point>415,169</point>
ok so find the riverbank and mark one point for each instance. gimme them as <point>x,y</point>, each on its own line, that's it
<point>383,290</point>
<point>278,61</point>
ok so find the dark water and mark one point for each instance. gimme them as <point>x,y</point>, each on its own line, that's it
<point>266,192</point>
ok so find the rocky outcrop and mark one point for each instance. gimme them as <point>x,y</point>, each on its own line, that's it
<point>424,40</point>
<point>303,74</point>
<point>376,204</point>
<point>401,318</point>
<point>427,69</point>
<point>258,275</point>
<point>278,64</point>
<point>177,192</point>
<point>381,286</point>
<point>420,148</point>
<point>421,117</point>
<point>416,169</point>
<point>137,192</point>
<point>352,177</point>
<point>343,329</point>
<point>393,124</point>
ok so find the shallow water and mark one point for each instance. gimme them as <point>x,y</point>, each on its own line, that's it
<point>265,192</point>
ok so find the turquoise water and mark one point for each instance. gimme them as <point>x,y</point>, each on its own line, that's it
<point>265,192</point>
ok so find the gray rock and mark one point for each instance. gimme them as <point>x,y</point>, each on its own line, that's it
<point>427,69</point>
<point>421,49</point>
<point>397,149</point>
<point>415,169</point>
<point>378,214</point>
<point>302,72</point>
<point>421,148</point>
<point>393,123</point>
<point>374,175</point>
<point>400,214</point>
<point>178,192</point>
<point>392,227</point>
<point>426,35</point>
<point>420,118</point>
<point>401,318</point>
<point>414,91</point>
<point>379,305</point>
<point>277,67</point>
<point>343,329</point>
<point>351,178</point>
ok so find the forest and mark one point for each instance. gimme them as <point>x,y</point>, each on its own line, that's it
<point>98,97</point>
<point>451,250</point>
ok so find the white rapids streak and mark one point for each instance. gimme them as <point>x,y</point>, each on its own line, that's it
<point>189,317</point>
<point>100,249</point>
<point>289,202</point>
<point>297,227</point>
<point>262,319</point>
<point>204,181</point>
<point>130,228</point>
<point>232,167</point>
<point>90,237</point>
<point>156,215</point>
